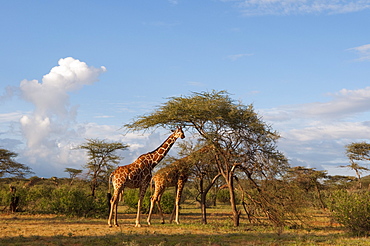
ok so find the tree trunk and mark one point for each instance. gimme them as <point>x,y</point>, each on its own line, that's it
<point>14,200</point>
<point>203,197</point>
<point>203,207</point>
<point>235,211</point>
<point>359,179</point>
<point>320,197</point>
<point>93,187</point>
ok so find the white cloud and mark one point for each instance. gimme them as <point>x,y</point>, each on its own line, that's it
<point>51,96</point>
<point>363,52</point>
<point>8,117</point>
<point>195,83</point>
<point>9,92</point>
<point>238,56</point>
<point>93,130</point>
<point>321,131</point>
<point>104,116</point>
<point>52,123</point>
<point>344,103</point>
<point>315,134</point>
<point>287,7</point>
<point>50,131</point>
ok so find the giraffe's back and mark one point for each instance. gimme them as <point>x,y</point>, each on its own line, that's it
<point>132,175</point>
<point>169,175</point>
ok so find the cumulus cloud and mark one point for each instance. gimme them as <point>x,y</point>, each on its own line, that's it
<point>51,95</point>
<point>287,7</point>
<point>49,129</point>
<point>50,134</point>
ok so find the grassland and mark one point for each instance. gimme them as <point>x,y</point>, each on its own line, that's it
<point>23,229</point>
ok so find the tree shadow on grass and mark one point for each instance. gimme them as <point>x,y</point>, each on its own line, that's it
<point>134,239</point>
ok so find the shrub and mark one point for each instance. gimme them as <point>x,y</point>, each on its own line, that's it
<point>4,197</point>
<point>167,202</point>
<point>131,197</point>
<point>71,203</point>
<point>76,202</point>
<point>352,210</point>
<point>36,198</point>
<point>66,200</point>
<point>223,196</point>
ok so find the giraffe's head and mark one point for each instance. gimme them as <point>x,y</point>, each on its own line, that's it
<point>178,133</point>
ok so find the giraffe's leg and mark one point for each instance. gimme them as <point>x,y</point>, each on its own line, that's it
<point>173,213</point>
<point>113,209</point>
<point>159,205</point>
<point>174,208</point>
<point>153,200</point>
<point>141,197</point>
<point>180,187</point>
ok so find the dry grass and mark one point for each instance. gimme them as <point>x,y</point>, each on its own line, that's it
<point>22,229</point>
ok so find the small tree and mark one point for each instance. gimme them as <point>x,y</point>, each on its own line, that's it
<point>73,173</point>
<point>205,173</point>
<point>102,159</point>
<point>338,182</point>
<point>308,179</point>
<point>358,152</point>
<point>351,209</point>
<point>9,167</point>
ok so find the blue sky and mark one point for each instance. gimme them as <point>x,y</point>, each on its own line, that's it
<point>73,70</point>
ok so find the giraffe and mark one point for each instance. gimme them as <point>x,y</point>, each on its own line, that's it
<point>174,175</point>
<point>138,175</point>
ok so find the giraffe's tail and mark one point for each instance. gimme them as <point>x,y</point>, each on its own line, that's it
<point>151,186</point>
<point>109,194</point>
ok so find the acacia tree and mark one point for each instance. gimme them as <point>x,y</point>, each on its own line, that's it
<point>10,167</point>
<point>73,173</point>
<point>239,136</point>
<point>308,179</point>
<point>102,160</point>
<point>358,152</point>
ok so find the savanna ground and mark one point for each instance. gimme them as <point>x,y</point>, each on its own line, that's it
<point>25,229</point>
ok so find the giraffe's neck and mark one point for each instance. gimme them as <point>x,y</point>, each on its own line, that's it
<point>158,154</point>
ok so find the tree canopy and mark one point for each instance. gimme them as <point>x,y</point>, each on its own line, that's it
<point>240,138</point>
<point>102,159</point>
<point>358,152</point>
<point>10,167</point>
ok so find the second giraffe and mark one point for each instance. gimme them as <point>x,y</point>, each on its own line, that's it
<point>173,175</point>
